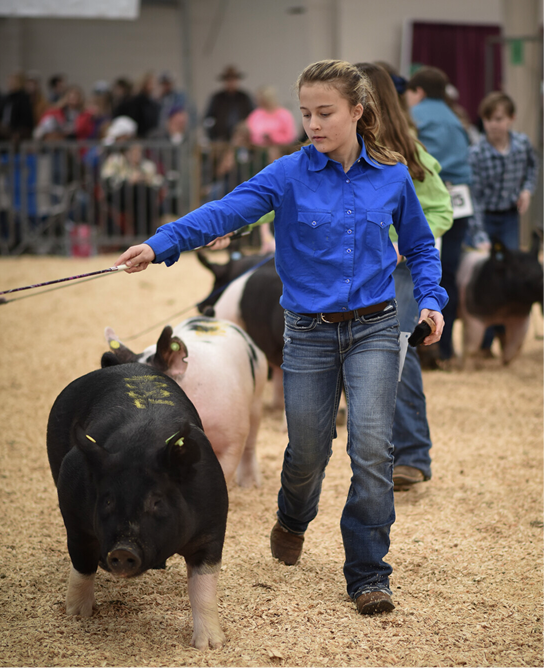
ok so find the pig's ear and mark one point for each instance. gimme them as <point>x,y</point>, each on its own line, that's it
<point>171,353</point>
<point>181,451</point>
<point>95,455</point>
<point>119,353</point>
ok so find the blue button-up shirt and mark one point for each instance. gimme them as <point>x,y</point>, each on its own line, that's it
<point>333,251</point>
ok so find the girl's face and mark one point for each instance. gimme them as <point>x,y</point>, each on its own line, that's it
<point>329,120</point>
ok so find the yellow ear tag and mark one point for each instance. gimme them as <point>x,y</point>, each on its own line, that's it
<point>115,344</point>
<point>174,346</point>
<point>179,442</point>
<point>90,438</point>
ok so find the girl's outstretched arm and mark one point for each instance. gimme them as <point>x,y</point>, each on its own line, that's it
<point>137,258</point>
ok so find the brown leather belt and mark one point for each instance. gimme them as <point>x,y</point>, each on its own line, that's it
<point>342,316</point>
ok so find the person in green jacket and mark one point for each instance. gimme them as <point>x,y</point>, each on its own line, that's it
<point>411,434</point>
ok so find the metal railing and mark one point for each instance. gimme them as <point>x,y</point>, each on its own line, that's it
<point>79,198</point>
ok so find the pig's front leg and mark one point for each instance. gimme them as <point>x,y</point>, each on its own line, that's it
<point>473,335</point>
<point>202,586</point>
<point>80,595</point>
<point>513,337</point>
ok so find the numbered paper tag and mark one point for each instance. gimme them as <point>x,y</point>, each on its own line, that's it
<point>404,336</point>
<point>461,201</point>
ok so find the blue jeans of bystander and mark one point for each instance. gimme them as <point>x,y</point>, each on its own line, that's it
<point>411,436</point>
<point>319,358</point>
<point>504,226</point>
<point>450,256</point>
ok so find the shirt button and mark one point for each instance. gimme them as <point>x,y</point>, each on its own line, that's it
<point>348,211</point>
<point>349,231</point>
<point>314,223</point>
<point>348,250</point>
<point>344,308</point>
<point>346,280</point>
<point>347,180</point>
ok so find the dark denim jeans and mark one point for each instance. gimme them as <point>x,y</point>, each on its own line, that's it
<point>503,226</point>
<point>450,255</point>
<point>319,358</point>
<point>411,435</point>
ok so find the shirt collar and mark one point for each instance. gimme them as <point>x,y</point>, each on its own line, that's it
<point>318,161</point>
<point>514,144</point>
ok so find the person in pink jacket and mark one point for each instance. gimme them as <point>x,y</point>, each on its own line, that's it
<point>270,124</point>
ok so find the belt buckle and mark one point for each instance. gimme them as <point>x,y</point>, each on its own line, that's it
<point>329,322</point>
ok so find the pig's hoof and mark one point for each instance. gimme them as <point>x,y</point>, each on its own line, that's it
<point>80,595</point>
<point>205,639</point>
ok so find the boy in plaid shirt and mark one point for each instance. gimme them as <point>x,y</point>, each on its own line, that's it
<point>504,170</point>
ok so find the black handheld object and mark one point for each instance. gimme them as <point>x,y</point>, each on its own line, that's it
<point>421,332</point>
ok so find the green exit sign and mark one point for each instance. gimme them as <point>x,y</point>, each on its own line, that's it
<point>516,52</point>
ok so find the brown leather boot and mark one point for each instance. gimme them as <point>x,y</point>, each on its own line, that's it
<point>404,477</point>
<point>285,546</point>
<point>374,601</point>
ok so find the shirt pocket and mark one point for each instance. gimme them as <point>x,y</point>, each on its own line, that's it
<point>377,235</point>
<point>314,229</point>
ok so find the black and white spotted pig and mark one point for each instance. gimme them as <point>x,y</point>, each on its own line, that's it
<point>137,482</point>
<point>223,373</point>
<point>252,301</point>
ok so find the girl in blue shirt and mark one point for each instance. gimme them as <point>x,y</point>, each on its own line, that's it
<point>335,200</point>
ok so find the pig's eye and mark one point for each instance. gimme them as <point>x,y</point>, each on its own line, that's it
<point>107,502</point>
<point>155,504</point>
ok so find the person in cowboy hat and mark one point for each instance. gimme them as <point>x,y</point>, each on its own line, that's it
<point>227,107</point>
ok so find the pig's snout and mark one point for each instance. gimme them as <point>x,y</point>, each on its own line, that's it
<point>124,561</point>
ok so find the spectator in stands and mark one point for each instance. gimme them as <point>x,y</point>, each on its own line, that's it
<point>176,125</point>
<point>170,99</point>
<point>68,119</point>
<point>269,124</point>
<point>142,107</point>
<point>101,109</point>
<point>33,87</point>
<point>16,118</point>
<point>121,93</point>
<point>57,88</point>
<point>227,107</point>
<point>131,181</point>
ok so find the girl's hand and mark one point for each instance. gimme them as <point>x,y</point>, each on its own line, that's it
<point>137,258</point>
<point>220,243</point>
<point>438,319</point>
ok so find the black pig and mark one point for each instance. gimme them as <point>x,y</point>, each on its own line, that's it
<point>137,482</point>
<point>498,288</point>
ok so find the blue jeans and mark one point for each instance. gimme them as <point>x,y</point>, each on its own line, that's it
<point>411,436</point>
<point>319,358</point>
<point>450,256</point>
<point>503,226</point>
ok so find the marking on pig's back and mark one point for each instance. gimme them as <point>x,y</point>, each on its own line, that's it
<point>148,390</point>
<point>203,328</point>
